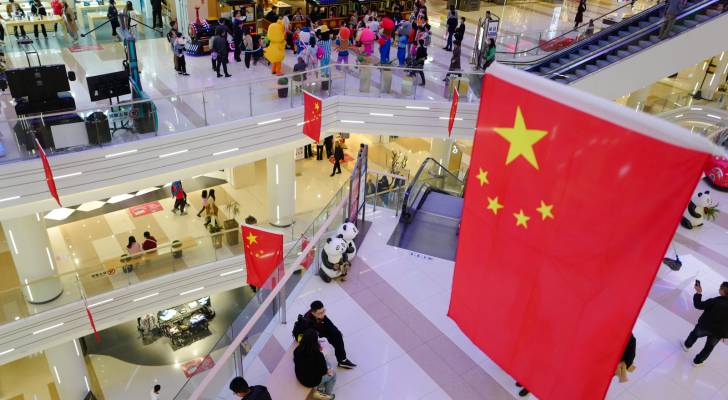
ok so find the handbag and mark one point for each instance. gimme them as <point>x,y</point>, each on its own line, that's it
<point>326,348</point>
<point>214,55</point>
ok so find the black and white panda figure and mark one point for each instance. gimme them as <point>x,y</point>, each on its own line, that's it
<point>334,259</point>
<point>348,232</point>
<point>695,214</point>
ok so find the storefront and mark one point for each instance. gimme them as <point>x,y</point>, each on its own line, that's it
<point>183,324</point>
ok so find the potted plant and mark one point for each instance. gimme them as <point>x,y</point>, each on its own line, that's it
<point>214,230</point>
<point>125,258</point>
<point>283,92</point>
<point>176,244</point>
<point>711,213</point>
<point>386,84</point>
<point>232,210</point>
<point>365,76</point>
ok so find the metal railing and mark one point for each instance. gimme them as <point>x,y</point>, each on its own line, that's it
<point>109,126</point>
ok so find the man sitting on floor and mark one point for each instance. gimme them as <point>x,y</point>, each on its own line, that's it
<point>241,389</point>
<point>317,320</point>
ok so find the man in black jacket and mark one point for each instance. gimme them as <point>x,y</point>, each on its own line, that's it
<point>420,58</point>
<point>452,26</point>
<point>338,157</point>
<point>272,15</point>
<point>460,32</point>
<point>713,323</point>
<point>238,38</point>
<point>157,12</point>
<point>317,320</point>
<point>241,389</point>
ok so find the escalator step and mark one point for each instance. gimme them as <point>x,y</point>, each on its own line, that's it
<point>574,56</point>
<point>613,38</point>
<point>633,29</point>
<point>554,65</point>
<point>593,47</point>
<point>655,39</point>
<point>623,33</point>
<point>579,73</point>
<point>602,63</point>
<point>634,49</point>
<point>702,18</point>
<point>644,24</point>
<point>545,70</point>
<point>623,53</point>
<point>564,81</point>
<point>690,23</point>
<point>612,59</point>
<point>712,13</point>
<point>652,20</point>
<point>592,68</point>
<point>678,28</point>
<point>645,43</point>
<point>583,52</point>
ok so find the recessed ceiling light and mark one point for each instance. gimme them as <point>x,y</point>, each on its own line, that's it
<point>59,214</point>
<point>119,198</point>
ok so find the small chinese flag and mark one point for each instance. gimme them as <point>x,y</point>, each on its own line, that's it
<point>263,253</point>
<point>308,261</point>
<point>453,110</point>
<point>90,318</point>
<point>312,116</point>
<point>48,173</point>
<point>571,205</point>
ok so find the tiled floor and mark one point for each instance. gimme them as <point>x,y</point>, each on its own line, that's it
<point>392,311</point>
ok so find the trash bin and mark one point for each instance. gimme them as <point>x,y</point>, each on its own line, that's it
<point>97,128</point>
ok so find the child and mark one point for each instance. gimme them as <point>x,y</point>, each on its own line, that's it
<point>296,42</point>
<point>590,28</point>
<point>427,35</point>
<point>303,38</point>
<point>342,41</point>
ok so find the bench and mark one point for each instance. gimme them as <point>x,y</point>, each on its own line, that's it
<point>116,263</point>
<point>283,384</point>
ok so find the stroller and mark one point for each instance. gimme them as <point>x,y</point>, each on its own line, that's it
<point>416,65</point>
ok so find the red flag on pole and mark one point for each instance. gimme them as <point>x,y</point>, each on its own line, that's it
<point>453,110</point>
<point>308,261</point>
<point>90,318</point>
<point>263,253</point>
<point>48,173</point>
<point>312,116</point>
<point>571,205</point>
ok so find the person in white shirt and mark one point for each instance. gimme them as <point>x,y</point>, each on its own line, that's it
<point>155,393</point>
<point>373,25</point>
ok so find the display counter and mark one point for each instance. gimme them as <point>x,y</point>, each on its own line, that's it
<point>183,324</point>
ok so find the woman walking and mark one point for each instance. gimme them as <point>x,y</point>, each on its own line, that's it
<point>248,47</point>
<point>113,15</point>
<point>130,18</point>
<point>580,13</point>
<point>204,204</point>
<point>70,18</point>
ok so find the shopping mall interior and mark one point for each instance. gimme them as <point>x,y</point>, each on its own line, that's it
<point>85,315</point>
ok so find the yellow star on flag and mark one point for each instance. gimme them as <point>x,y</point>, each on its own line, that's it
<point>545,211</point>
<point>261,251</point>
<point>521,139</point>
<point>521,219</point>
<point>251,238</point>
<point>483,176</point>
<point>493,205</point>
<point>316,106</point>
<point>257,255</point>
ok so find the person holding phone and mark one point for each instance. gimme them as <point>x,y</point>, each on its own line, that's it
<point>713,323</point>
<point>311,367</point>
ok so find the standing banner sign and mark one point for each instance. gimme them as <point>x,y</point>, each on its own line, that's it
<point>357,186</point>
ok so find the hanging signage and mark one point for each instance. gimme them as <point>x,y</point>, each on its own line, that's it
<point>492,29</point>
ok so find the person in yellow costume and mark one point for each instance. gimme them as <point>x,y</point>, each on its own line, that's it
<point>275,52</point>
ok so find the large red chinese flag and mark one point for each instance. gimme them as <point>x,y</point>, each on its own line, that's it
<point>453,111</point>
<point>312,116</point>
<point>263,253</point>
<point>571,203</point>
<point>48,173</point>
<point>308,261</point>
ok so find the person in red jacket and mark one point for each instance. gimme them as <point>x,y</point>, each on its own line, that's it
<point>57,10</point>
<point>149,242</point>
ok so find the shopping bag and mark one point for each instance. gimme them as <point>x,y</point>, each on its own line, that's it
<point>326,348</point>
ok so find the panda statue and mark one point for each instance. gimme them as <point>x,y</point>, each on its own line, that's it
<point>695,214</point>
<point>334,259</point>
<point>348,232</point>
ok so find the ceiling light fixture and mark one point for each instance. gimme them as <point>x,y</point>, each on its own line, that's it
<point>50,327</point>
<point>456,119</point>
<point>714,116</point>
<point>66,176</point>
<point>6,351</point>
<point>382,115</point>
<point>118,154</point>
<point>226,151</point>
<point>101,302</point>
<point>232,272</point>
<point>146,297</point>
<point>352,122</point>
<point>171,154</point>
<point>269,122</point>
<point>193,290</point>
<point>10,198</point>
<point>418,108</point>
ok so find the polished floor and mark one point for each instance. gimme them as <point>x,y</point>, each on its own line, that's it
<point>393,313</point>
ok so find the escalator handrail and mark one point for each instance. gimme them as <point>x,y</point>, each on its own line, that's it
<point>576,29</point>
<point>636,35</point>
<point>417,177</point>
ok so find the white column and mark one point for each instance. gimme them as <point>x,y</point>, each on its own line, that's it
<point>440,150</point>
<point>33,256</point>
<point>69,371</point>
<point>281,188</point>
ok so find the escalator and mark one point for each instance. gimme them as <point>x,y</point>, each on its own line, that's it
<point>625,39</point>
<point>431,211</point>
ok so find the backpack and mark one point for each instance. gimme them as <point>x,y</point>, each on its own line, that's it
<point>320,52</point>
<point>176,186</point>
<point>298,328</point>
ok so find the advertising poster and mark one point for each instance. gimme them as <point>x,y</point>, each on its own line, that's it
<point>198,365</point>
<point>145,209</point>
